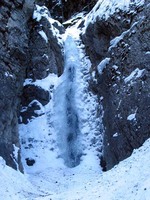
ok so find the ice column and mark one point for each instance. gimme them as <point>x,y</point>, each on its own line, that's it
<point>66,121</point>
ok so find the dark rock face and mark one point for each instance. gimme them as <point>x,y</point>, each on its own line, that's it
<point>70,7</point>
<point>23,54</point>
<point>64,10</point>
<point>32,92</point>
<point>32,100</point>
<point>123,86</point>
<point>46,57</point>
<point>45,50</point>
<point>55,7</point>
<point>13,53</point>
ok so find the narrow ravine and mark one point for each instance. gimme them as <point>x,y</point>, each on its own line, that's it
<point>82,101</point>
<point>65,142</point>
<point>67,132</point>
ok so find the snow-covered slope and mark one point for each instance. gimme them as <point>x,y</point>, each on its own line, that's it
<point>129,180</point>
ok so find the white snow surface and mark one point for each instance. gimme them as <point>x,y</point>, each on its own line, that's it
<point>46,83</point>
<point>137,73</point>
<point>40,11</point>
<point>131,117</point>
<point>44,36</point>
<point>7,74</point>
<point>102,65</point>
<point>116,40</point>
<point>39,138</point>
<point>130,179</point>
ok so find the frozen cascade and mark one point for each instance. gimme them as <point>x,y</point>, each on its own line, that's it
<point>66,115</point>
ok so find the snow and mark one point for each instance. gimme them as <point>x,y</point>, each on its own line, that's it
<point>42,12</point>
<point>39,138</point>
<point>13,184</point>
<point>105,8</point>
<point>75,19</point>
<point>115,135</point>
<point>16,149</point>
<point>39,145</point>
<point>50,80</point>
<point>102,65</point>
<point>116,40</point>
<point>137,73</point>
<point>131,117</point>
<point>2,163</point>
<point>39,12</point>
<point>130,179</point>
<point>55,31</point>
<point>15,155</point>
<point>147,53</point>
<point>7,74</point>
<point>43,35</point>
<point>115,67</point>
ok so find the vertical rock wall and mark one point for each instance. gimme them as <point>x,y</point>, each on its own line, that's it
<point>46,57</point>
<point>22,51</point>
<point>14,55</point>
<point>122,79</point>
<point>71,7</point>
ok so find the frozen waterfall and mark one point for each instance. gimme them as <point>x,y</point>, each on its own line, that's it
<point>66,115</point>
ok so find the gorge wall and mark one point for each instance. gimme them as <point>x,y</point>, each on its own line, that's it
<point>24,54</point>
<point>119,49</point>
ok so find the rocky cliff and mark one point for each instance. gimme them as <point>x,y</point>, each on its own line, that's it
<point>14,56</point>
<point>119,48</point>
<point>69,8</point>
<point>28,49</point>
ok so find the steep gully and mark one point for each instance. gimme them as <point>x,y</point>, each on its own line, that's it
<point>70,131</point>
<point>75,108</point>
<point>73,119</point>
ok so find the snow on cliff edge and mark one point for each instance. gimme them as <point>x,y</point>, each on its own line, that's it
<point>105,8</point>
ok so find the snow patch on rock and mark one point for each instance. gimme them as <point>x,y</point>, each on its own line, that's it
<point>131,117</point>
<point>137,73</point>
<point>102,65</point>
<point>44,36</point>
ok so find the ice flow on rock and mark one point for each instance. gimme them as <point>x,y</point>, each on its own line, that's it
<point>66,121</point>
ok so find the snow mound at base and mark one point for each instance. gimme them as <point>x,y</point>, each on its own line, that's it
<point>130,179</point>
